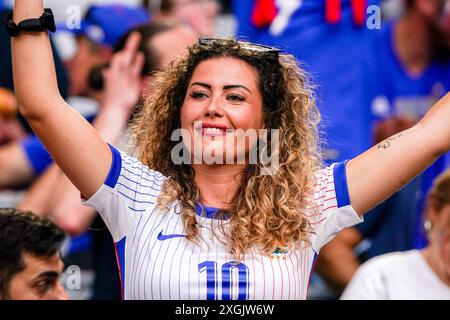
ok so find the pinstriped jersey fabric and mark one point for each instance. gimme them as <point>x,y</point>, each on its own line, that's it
<point>157,262</point>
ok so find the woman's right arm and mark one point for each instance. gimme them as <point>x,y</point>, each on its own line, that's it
<point>73,143</point>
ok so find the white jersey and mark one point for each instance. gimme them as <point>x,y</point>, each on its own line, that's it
<point>156,261</point>
<point>396,276</point>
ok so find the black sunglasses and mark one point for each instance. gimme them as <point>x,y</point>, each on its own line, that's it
<point>244,45</point>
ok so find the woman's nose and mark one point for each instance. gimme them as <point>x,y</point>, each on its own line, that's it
<point>214,109</point>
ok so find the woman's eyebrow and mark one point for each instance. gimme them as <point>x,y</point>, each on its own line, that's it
<point>227,87</point>
<point>202,84</point>
<point>234,86</point>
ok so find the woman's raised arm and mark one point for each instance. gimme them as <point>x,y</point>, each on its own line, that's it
<point>73,143</point>
<point>381,171</point>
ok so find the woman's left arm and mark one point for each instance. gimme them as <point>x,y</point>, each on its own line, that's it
<point>381,171</point>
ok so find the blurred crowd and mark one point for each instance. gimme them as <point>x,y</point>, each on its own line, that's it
<point>377,66</point>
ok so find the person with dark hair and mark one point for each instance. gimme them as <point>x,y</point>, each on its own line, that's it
<point>30,263</point>
<point>206,217</point>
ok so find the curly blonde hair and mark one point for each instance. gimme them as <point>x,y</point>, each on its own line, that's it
<point>268,211</point>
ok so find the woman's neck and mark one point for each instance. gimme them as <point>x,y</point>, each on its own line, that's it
<point>431,256</point>
<point>218,184</point>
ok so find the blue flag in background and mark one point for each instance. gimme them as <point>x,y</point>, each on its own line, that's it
<point>339,57</point>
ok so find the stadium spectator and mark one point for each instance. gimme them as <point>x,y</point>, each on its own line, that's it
<point>100,30</point>
<point>415,274</point>
<point>30,263</point>
<point>414,72</point>
<point>200,15</point>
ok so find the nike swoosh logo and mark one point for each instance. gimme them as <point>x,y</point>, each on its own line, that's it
<point>162,237</point>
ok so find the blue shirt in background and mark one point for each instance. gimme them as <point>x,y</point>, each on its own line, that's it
<point>401,93</point>
<point>36,153</point>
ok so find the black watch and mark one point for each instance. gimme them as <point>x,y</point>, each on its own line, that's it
<point>43,23</point>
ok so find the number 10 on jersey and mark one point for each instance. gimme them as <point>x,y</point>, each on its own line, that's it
<point>225,276</point>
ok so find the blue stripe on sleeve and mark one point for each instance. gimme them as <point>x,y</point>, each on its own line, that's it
<point>140,184</point>
<point>116,167</point>
<point>340,183</point>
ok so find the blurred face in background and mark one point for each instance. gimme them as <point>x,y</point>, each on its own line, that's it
<point>166,46</point>
<point>199,14</point>
<point>169,44</point>
<point>87,55</point>
<point>437,12</point>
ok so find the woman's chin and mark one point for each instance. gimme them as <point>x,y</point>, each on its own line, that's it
<point>218,153</point>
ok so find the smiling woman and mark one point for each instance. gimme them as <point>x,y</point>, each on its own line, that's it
<point>220,87</point>
<point>228,106</point>
<point>213,230</point>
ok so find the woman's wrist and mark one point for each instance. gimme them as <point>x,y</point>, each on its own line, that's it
<point>27,9</point>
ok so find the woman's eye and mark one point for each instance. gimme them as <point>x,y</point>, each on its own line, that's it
<point>235,98</point>
<point>198,95</point>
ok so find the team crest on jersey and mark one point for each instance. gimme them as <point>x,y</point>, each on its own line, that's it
<point>279,253</point>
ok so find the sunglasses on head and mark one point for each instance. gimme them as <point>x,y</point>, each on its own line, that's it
<point>244,45</point>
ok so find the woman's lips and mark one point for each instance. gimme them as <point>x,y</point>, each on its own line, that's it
<point>209,129</point>
<point>213,131</point>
